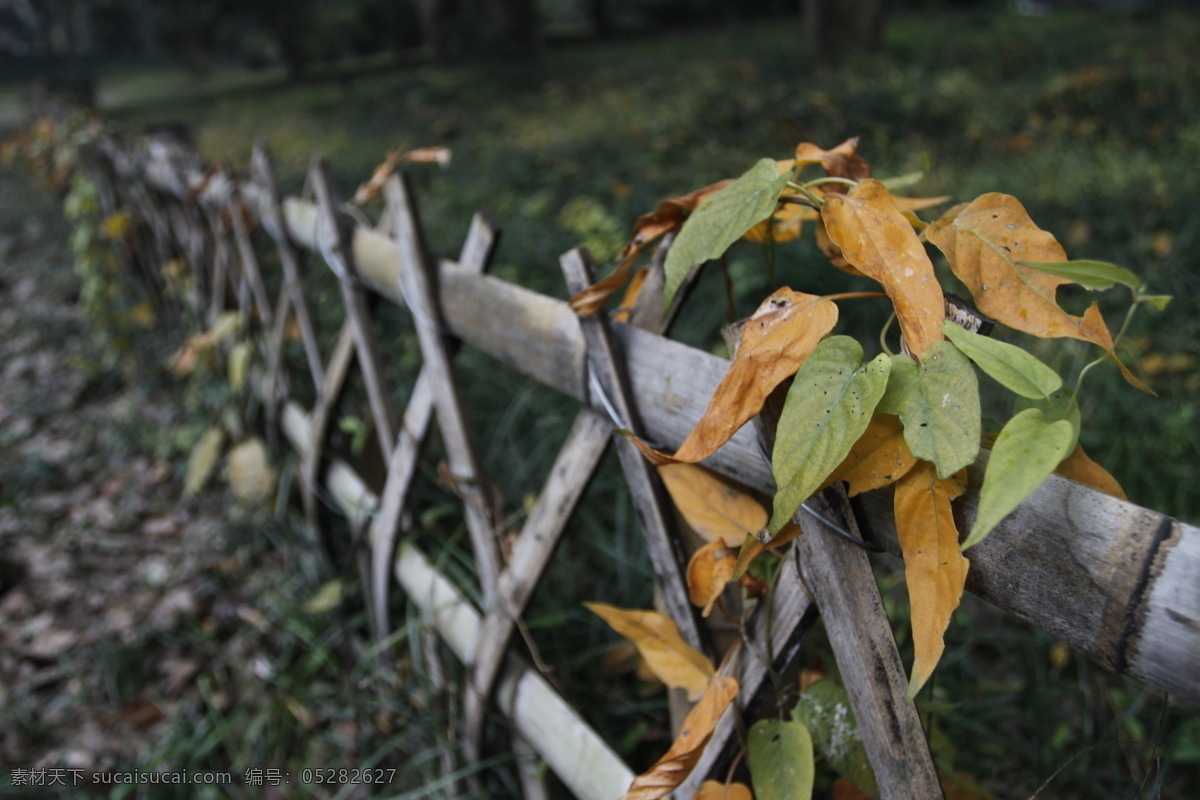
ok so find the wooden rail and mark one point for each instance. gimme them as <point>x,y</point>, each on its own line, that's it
<point>1113,579</point>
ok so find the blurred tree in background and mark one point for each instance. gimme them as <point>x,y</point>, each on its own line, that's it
<point>295,33</point>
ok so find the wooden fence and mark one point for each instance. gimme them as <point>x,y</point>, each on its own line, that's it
<point>1116,581</point>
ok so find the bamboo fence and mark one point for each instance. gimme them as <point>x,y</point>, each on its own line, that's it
<point>1112,579</point>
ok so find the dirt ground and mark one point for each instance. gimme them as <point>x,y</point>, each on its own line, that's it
<point>101,566</point>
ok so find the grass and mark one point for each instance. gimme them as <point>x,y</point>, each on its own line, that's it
<point>1087,118</point>
<point>1091,119</point>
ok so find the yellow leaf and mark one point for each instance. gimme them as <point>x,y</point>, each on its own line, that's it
<point>715,790</point>
<point>832,251</point>
<point>674,767</point>
<point>984,241</point>
<point>116,225</point>
<point>203,460</point>
<point>934,567</point>
<point>184,360</point>
<point>714,506</point>
<point>251,477</point>
<point>785,225</point>
<point>708,571</point>
<point>657,638</point>
<point>880,457</point>
<point>239,362</point>
<point>875,237</point>
<point>623,311</point>
<point>143,314</point>
<point>1079,467</point>
<point>775,342</point>
<point>327,598</point>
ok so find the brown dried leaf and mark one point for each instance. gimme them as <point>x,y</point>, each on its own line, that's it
<point>842,161</point>
<point>674,767</point>
<point>708,571</point>
<point>1079,467</point>
<point>984,241</point>
<point>775,342</point>
<point>714,506</point>
<point>876,238</point>
<point>844,789</point>
<point>623,311</point>
<point>752,548</point>
<point>657,638</point>
<point>934,567</point>
<point>372,187</point>
<point>428,155</point>
<point>592,299</point>
<point>668,216</point>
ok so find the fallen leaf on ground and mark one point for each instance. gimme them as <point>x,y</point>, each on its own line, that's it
<point>251,476</point>
<point>203,460</point>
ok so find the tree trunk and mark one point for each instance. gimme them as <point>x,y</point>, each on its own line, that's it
<point>833,28</point>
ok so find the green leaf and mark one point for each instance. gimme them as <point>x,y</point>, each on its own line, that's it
<point>1089,274</point>
<point>938,402</point>
<point>827,410</point>
<point>1025,453</point>
<point>721,220</point>
<point>905,181</point>
<point>239,362</point>
<point>1013,368</point>
<point>1159,301</point>
<point>1057,405</point>
<point>327,598</point>
<point>825,710</point>
<point>781,760</point>
<point>203,460</point>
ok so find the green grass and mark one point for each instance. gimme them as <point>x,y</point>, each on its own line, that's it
<point>1089,119</point>
<point>1092,120</point>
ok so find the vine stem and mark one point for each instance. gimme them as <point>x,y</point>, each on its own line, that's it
<point>1098,360</point>
<point>887,326</point>
<point>828,179</point>
<point>852,295</point>
<point>813,199</point>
